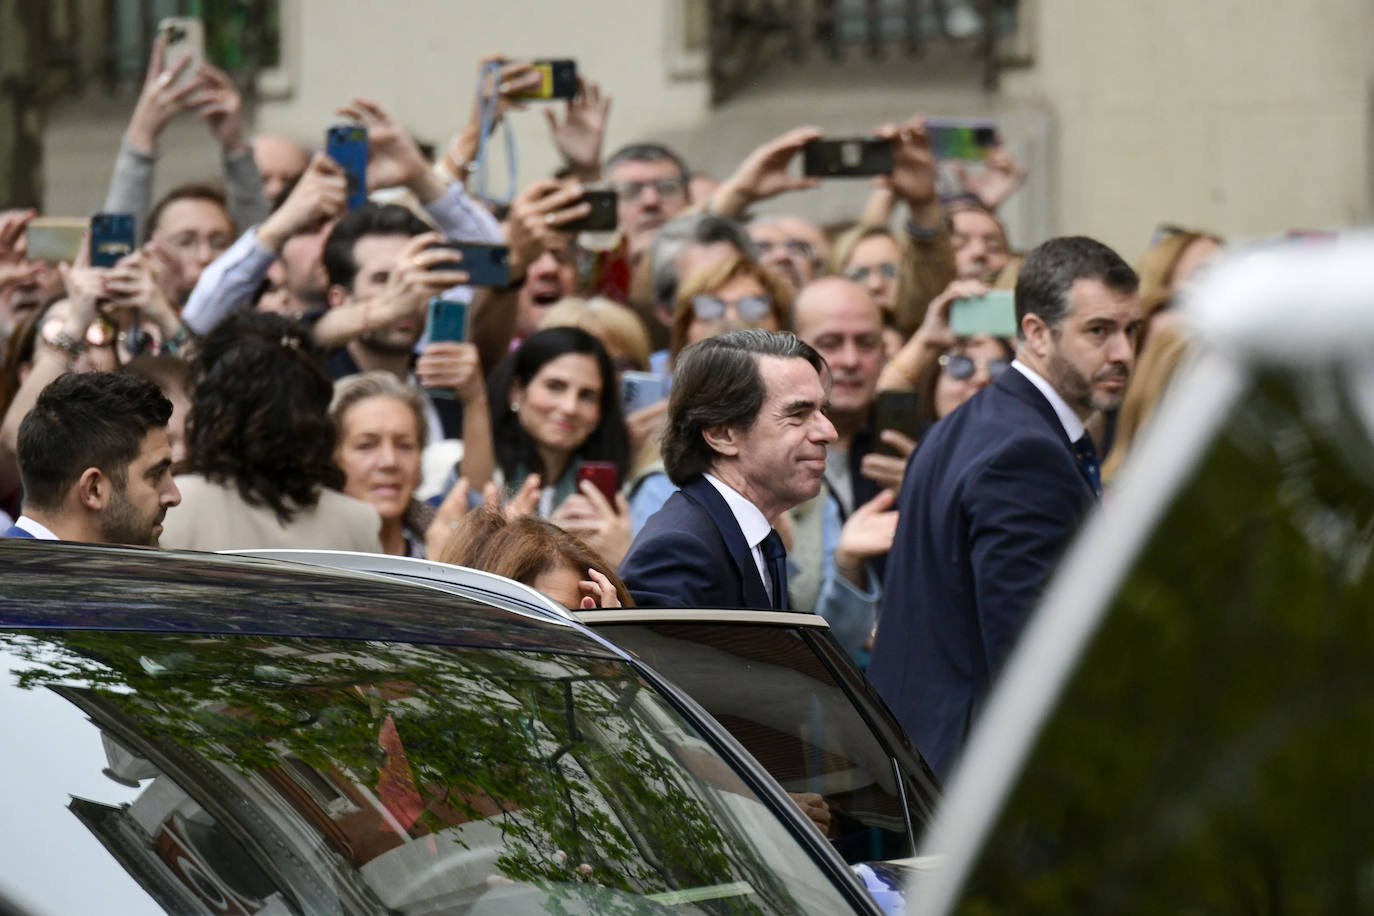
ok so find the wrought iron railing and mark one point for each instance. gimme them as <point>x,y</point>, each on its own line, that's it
<point>749,36</point>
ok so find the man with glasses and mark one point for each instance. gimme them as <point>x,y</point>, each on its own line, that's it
<point>995,491</point>
<point>650,183</point>
<point>791,246</point>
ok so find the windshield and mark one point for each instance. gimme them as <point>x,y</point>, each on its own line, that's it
<point>194,774</point>
<point>1212,753</point>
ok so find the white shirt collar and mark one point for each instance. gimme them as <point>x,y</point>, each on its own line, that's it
<point>39,531</point>
<point>1072,425</point>
<point>752,522</point>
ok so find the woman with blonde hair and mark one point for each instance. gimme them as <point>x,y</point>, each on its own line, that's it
<point>618,328</point>
<point>729,294</point>
<point>1174,255</point>
<point>1153,373</point>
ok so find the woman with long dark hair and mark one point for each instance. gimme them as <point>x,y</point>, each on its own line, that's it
<point>261,447</point>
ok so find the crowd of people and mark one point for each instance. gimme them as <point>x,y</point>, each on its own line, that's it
<point>258,373</point>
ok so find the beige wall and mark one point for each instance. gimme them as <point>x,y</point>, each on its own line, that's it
<point>1248,118</point>
<point>418,59</point>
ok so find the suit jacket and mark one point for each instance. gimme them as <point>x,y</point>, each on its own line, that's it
<point>14,531</point>
<point>989,502</point>
<point>691,553</point>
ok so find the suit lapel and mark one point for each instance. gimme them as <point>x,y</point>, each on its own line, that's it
<point>700,491</point>
<point>1012,382</point>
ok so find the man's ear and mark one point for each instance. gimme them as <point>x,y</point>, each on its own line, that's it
<point>723,440</point>
<point>1037,334</point>
<point>337,295</point>
<point>94,490</point>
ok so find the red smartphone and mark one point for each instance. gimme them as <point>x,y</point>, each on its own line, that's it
<point>603,475</point>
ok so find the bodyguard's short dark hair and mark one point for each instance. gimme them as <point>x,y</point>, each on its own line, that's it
<point>716,382</point>
<point>369,219</point>
<point>648,152</point>
<point>85,420</point>
<point>1042,286</point>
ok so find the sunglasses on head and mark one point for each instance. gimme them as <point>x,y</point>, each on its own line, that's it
<point>749,308</point>
<point>962,368</point>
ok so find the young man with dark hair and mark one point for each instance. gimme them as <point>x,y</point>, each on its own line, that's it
<point>95,461</point>
<point>996,490</point>
<point>745,442</point>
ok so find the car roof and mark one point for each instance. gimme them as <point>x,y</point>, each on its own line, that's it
<point>83,586</point>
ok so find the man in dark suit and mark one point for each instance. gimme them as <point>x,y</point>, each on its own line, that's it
<point>996,489</point>
<point>745,442</point>
<point>95,461</point>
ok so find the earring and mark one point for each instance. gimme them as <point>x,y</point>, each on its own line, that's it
<point>514,407</point>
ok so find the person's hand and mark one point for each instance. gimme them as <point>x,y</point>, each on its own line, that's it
<point>888,470</point>
<point>132,287</point>
<point>160,99</point>
<point>220,105</point>
<point>536,213</point>
<point>763,174</point>
<point>516,77</point>
<point>605,528</point>
<point>935,327</point>
<point>913,169</point>
<point>524,502</point>
<point>393,158</point>
<point>645,423</point>
<point>597,591</point>
<point>447,518</point>
<point>415,278</point>
<point>13,243</point>
<point>321,194</point>
<point>85,285</point>
<point>814,807</point>
<point>452,365</point>
<point>997,180</point>
<point>579,135</point>
<point>868,532</point>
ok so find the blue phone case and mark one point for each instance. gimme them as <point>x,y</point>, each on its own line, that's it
<point>448,320</point>
<point>112,237</point>
<point>346,144</point>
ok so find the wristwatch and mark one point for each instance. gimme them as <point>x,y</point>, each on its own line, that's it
<point>67,344</point>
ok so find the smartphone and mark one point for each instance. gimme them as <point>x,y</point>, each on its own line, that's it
<point>54,238</point>
<point>603,476</point>
<point>993,313</point>
<point>183,38</point>
<point>112,237</point>
<point>346,144</point>
<point>958,138</point>
<point>448,320</point>
<point>899,410</point>
<point>640,389</point>
<point>485,265</point>
<point>559,80</point>
<point>859,157</point>
<point>603,217</point>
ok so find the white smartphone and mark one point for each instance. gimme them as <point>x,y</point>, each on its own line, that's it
<point>183,38</point>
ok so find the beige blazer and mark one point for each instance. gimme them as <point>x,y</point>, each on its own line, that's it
<point>214,516</point>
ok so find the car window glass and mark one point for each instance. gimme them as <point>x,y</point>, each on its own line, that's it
<point>245,774</point>
<point>1212,752</point>
<point>771,691</point>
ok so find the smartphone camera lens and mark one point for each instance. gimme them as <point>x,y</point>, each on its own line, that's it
<point>499,256</point>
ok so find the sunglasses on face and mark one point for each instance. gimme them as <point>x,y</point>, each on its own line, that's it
<point>794,247</point>
<point>749,308</point>
<point>887,270</point>
<point>101,333</point>
<point>962,368</point>
<point>668,188</point>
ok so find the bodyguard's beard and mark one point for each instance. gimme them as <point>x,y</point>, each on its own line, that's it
<point>1079,391</point>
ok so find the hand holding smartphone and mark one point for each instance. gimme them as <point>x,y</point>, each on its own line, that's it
<point>183,39</point>
<point>858,157</point>
<point>960,138</point>
<point>558,80</point>
<point>993,313</point>
<point>603,476</point>
<point>642,389</point>
<point>896,410</point>
<point>346,144</point>
<point>112,237</point>
<point>447,323</point>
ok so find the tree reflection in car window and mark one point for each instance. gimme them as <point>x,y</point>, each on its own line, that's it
<point>434,773</point>
<point>1212,753</point>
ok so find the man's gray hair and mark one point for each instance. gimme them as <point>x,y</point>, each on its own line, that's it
<point>716,382</point>
<point>688,229</point>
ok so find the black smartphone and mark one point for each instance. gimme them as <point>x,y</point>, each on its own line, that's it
<point>112,237</point>
<point>898,410</point>
<point>603,217</point>
<point>859,157</point>
<point>346,144</point>
<point>485,265</point>
<point>559,80</point>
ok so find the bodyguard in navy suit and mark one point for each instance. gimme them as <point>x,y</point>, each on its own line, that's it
<point>996,489</point>
<point>745,441</point>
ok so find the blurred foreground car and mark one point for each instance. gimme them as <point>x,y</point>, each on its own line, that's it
<point>1187,725</point>
<point>189,733</point>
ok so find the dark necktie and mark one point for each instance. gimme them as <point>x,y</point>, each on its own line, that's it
<point>1087,460</point>
<point>775,557</point>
